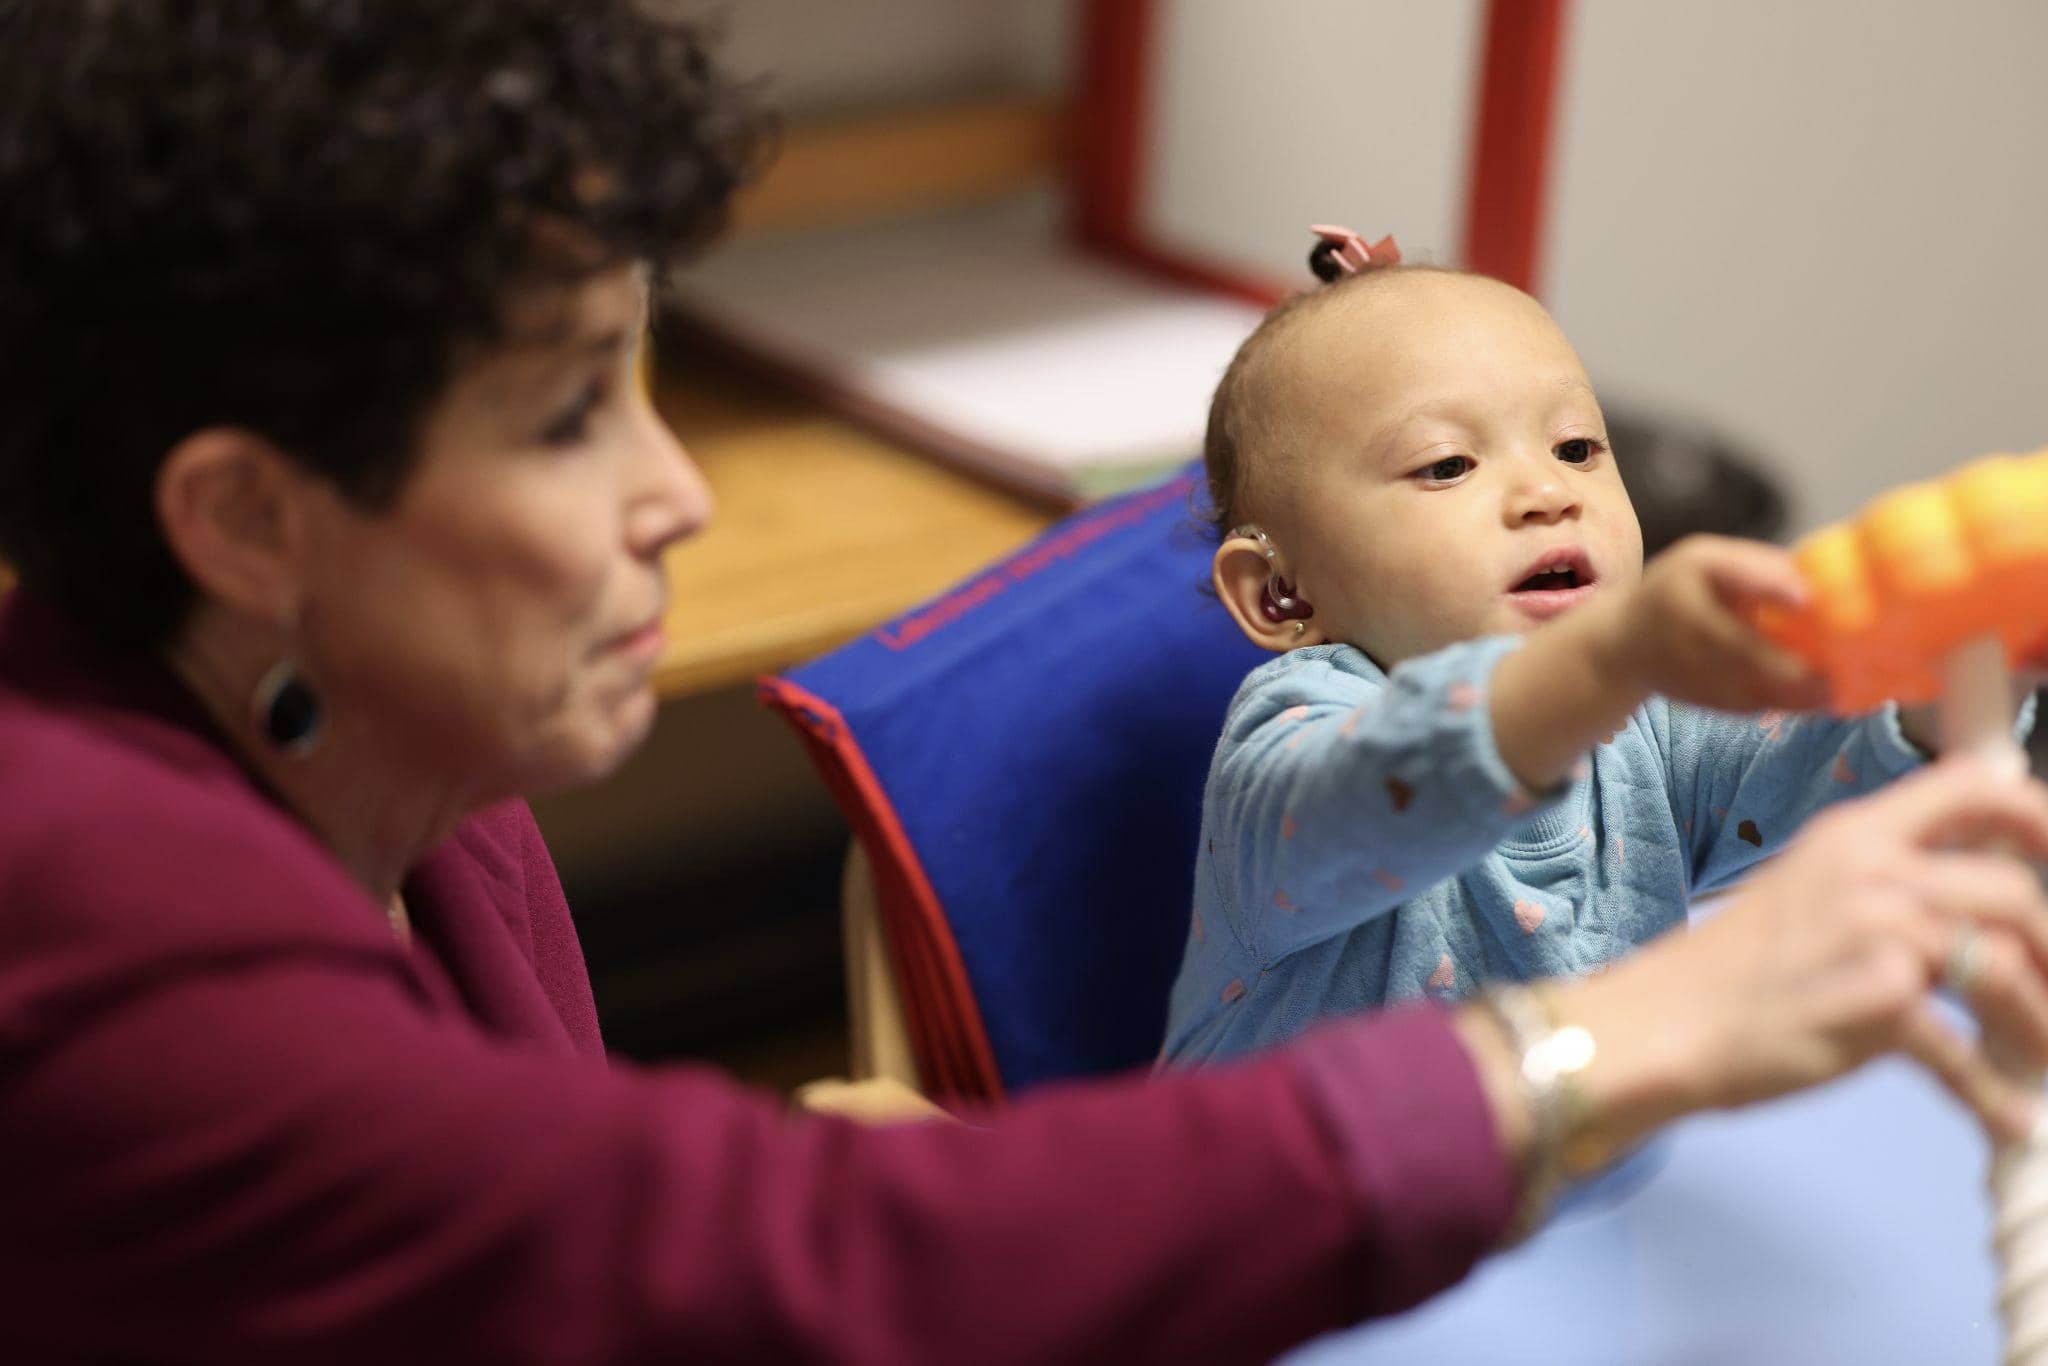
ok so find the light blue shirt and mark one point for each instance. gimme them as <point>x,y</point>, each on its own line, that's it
<point>1363,841</point>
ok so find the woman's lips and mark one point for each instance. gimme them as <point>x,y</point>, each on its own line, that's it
<point>644,643</point>
<point>1541,604</point>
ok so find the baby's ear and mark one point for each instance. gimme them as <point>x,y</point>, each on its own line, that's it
<point>1244,581</point>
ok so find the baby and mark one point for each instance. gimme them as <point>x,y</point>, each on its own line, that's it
<point>1474,757</point>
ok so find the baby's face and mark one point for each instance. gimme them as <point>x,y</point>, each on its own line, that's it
<point>1449,475</point>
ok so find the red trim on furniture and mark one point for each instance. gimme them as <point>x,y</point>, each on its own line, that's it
<point>954,1059</point>
<point>1511,143</point>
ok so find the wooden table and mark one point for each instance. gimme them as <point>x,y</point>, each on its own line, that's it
<point>821,531</point>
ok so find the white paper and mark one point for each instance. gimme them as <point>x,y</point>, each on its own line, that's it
<point>988,337</point>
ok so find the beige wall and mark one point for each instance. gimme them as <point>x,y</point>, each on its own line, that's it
<point>1822,224</point>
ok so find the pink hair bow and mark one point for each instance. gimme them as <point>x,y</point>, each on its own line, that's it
<point>1347,253</point>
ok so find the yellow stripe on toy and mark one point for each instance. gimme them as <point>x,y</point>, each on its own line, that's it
<point>1923,569</point>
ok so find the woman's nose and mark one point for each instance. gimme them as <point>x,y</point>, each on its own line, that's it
<point>670,500</point>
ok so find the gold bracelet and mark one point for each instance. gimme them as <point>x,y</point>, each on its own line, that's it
<point>1565,1144</point>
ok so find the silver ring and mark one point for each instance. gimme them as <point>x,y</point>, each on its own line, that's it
<point>1965,960</point>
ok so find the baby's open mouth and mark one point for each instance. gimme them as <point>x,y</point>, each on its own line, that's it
<point>1557,581</point>
<point>1554,571</point>
<point>1546,580</point>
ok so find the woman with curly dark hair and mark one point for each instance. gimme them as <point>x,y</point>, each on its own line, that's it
<point>338,524</point>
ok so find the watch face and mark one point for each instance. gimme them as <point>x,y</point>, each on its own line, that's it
<point>1558,1055</point>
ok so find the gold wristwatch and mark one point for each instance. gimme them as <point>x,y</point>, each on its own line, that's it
<point>1566,1143</point>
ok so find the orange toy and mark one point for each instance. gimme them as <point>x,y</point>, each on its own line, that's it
<point>1924,569</point>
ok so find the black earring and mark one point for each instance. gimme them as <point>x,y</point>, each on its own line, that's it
<point>287,711</point>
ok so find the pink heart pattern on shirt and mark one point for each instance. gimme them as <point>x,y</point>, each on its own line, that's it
<point>1529,915</point>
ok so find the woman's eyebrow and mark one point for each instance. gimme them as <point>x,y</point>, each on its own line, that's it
<point>618,338</point>
<point>623,337</point>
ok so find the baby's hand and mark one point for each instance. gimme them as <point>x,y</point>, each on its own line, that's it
<point>1683,631</point>
<point>1686,630</point>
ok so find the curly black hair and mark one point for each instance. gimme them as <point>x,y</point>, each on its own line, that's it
<point>289,216</point>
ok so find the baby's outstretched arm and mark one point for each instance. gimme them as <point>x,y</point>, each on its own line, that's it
<point>1683,631</point>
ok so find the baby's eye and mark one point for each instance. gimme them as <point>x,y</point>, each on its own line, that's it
<point>1447,470</point>
<point>1580,450</point>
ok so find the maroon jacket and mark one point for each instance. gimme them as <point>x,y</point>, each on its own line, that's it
<point>239,1121</point>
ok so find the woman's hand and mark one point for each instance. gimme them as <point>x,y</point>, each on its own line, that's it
<point>1827,958</point>
<point>1831,955</point>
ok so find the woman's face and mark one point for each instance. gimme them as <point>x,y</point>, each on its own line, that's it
<point>498,624</point>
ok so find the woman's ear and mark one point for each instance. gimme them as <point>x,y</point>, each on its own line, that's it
<point>231,509</point>
<point>1243,578</point>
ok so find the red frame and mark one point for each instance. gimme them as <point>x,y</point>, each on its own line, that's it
<point>1504,201</point>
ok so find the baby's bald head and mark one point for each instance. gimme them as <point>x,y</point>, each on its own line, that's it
<point>1249,442</point>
